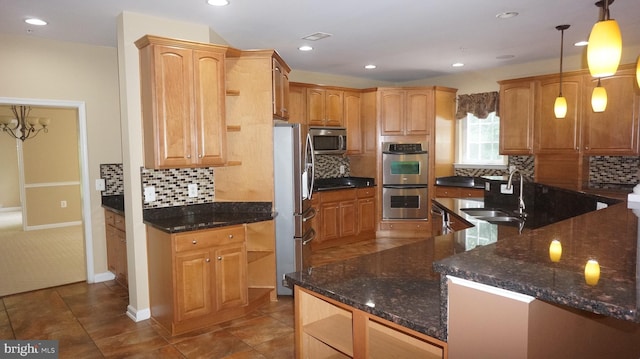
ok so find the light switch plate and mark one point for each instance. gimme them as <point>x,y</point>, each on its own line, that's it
<point>504,190</point>
<point>149,194</point>
<point>100,184</point>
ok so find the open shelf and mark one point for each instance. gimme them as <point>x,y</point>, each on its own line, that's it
<point>335,331</point>
<point>385,342</point>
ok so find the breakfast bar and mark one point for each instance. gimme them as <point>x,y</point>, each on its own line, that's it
<point>409,285</point>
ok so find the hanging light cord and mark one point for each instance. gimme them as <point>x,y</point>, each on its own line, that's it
<point>561,28</point>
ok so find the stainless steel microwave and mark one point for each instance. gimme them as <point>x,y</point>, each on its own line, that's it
<point>328,140</point>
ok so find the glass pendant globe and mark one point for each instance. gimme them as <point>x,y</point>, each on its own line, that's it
<point>599,99</point>
<point>605,48</point>
<point>560,107</point>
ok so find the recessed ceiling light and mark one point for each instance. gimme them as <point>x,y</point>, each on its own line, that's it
<point>35,21</point>
<point>457,64</point>
<point>581,43</point>
<point>305,48</point>
<point>370,67</point>
<point>218,2</point>
<point>507,15</point>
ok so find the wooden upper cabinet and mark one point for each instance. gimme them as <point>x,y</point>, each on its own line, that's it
<point>405,111</point>
<point>324,107</point>
<point>352,122</point>
<point>558,135</point>
<point>183,103</point>
<point>297,104</point>
<point>614,131</point>
<point>517,109</point>
<point>280,89</point>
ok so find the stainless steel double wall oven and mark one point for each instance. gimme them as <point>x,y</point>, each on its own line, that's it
<point>405,178</point>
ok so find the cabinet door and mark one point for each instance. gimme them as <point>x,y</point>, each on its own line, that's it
<point>614,131</point>
<point>173,72</point>
<point>330,214</point>
<point>333,108</point>
<point>315,107</point>
<point>419,104</point>
<point>348,220</point>
<point>559,135</point>
<point>297,104</point>
<point>112,249</point>
<point>122,275</point>
<point>517,108</point>
<point>352,123</point>
<point>231,276</point>
<point>193,296</point>
<point>391,113</point>
<point>280,91</point>
<point>210,126</point>
<point>366,215</point>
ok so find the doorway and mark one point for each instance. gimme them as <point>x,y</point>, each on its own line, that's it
<point>83,227</point>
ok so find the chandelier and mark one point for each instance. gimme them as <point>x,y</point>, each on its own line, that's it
<point>22,126</point>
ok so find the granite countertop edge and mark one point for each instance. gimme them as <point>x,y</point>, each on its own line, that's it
<point>433,330</point>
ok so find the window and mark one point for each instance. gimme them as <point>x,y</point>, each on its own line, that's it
<point>479,141</point>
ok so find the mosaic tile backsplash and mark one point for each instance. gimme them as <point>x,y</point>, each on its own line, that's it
<point>328,166</point>
<point>171,186</point>
<point>525,164</point>
<point>113,178</point>
<point>614,170</point>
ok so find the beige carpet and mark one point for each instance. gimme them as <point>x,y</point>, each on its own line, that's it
<point>38,259</point>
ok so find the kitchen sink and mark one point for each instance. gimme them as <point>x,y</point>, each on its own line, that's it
<point>485,212</point>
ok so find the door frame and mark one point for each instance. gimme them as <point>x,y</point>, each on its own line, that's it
<point>83,159</point>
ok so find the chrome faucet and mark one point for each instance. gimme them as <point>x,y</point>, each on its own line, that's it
<point>521,205</point>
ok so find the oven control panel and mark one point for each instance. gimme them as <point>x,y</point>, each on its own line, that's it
<point>392,147</point>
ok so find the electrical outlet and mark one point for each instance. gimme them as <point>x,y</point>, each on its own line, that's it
<point>342,169</point>
<point>100,184</point>
<point>193,189</point>
<point>149,194</point>
<point>505,190</point>
<point>63,204</point>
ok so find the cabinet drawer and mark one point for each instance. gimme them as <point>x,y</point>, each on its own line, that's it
<point>338,195</point>
<point>208,238</point>
<point>365,192</point>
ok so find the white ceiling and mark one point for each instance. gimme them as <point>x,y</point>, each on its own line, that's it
<point>406,39</point>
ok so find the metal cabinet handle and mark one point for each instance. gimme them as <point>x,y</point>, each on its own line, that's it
<point>230,236</point>
<point>208,260</point>
<point>219,258</point>
<point>194,241</point>
<point>188,156</point>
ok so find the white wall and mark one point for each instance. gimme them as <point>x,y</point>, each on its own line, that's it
<point>35,68</point>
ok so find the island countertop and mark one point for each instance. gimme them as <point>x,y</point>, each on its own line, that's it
<point>403,284</point>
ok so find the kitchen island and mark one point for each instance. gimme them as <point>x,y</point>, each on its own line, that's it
<point>408,285</point>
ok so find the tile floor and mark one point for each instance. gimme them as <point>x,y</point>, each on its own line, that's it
<point>89,321</point>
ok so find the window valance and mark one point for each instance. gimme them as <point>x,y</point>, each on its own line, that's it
<point>478,104</point>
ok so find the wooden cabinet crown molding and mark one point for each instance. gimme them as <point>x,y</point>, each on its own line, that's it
<point>185,44</point>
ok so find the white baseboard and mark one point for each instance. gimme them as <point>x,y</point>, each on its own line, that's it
<point>10,209</point>
<point>53,225</point>
<point>138,315</point>
<point>103,277</point>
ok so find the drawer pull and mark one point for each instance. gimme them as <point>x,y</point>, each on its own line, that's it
<point>194,241</point>
<point>230,236</point>
<point>219,258</point>
<point>208,260</point>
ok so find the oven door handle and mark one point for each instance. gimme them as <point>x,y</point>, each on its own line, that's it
<point>403,186</point>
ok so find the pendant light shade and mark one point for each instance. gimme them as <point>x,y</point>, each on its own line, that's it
<point>560,107</point>
<point>599,98</point>
<point>605,45</point>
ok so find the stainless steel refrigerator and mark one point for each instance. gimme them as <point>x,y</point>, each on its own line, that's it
<point>293,181</point>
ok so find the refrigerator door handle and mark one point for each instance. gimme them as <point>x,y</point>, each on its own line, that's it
<point>309,214</point>
<point>310,160</point>
<point>311,235</point>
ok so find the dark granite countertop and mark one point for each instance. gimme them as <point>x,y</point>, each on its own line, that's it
<point>404,284</point>
<point>209,215</point>
<point>114,203</point>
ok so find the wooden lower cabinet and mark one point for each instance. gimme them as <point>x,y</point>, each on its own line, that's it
<point>325,328</point>
<point>344,216</point>
<point>116,246</point>
<point>199,278</point>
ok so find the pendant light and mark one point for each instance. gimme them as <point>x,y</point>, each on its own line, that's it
<point>638,71</point>
<point>560,106</point>
<point>599,98</point>
<point>605,44</point>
